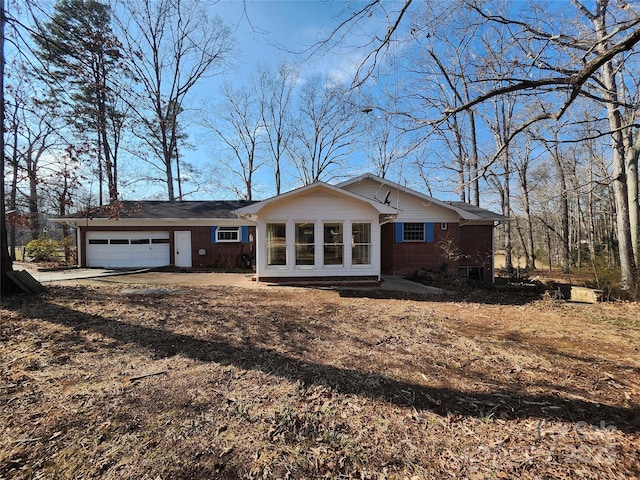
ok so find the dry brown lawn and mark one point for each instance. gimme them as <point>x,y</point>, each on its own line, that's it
<point>227,382</point>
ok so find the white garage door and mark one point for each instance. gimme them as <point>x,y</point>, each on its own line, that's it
<point>127,249</point>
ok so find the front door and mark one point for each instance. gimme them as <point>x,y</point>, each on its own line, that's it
<point>183,249</point>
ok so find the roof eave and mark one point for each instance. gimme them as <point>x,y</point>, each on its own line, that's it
<point>253,209</point>
<point>369,176</point>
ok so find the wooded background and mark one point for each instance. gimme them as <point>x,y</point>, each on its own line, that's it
<point>527,108</point>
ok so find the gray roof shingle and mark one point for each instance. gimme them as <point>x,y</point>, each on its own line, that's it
<point>481,212</point>
<point>166,209</point>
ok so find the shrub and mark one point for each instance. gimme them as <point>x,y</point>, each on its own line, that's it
<point>44,249</point>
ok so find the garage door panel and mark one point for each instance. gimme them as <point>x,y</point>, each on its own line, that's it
<point>127,249</point>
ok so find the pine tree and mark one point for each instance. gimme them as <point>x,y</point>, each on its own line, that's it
<point>81,58</point>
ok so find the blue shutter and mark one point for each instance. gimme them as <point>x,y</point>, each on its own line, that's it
<point>245,234</point>
<point>428,232</point>
<point>213,234</point>
<point>398,232</point>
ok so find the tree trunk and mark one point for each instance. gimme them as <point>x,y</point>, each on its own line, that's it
<point>506,210</point>
<point>13,194</point>
<point>6,264</point>
<point>531,256</point>
<point>549,254</point>
<point>34,212</point>
<point>620,188</point>
<point>475,180</point>
<point>474,160</point>
<point>565,261</point>
<point>632,153</point>
<point>462,180</point>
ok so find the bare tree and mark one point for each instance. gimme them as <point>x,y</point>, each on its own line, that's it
<point>449,72</point>
<point>558,56</point>
<point>386,144</point>
<point>239,125</point>
<point>324,131</point>
<point>275,90</point>
<point>172,45</point>
<point>522,163</point>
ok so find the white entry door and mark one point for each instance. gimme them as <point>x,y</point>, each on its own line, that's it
<point>183,248</point>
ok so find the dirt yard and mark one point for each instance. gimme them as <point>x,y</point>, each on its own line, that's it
<point>123,381</point>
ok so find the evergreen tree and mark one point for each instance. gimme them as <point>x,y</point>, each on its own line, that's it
<point>81,59</point>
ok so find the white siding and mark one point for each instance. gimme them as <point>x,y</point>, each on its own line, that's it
<point>318,207</point>
<point>412,208</point>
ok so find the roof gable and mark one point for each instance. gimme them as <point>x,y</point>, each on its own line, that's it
<point>463,210</point>
<point>255,208</point>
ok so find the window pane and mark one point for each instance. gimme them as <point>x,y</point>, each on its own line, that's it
<point>159,240</point>
<point>98,241</point>
<point>333,233</point>
<point>333,254</point>
<point>276,244</point>
<point>361,249</point>
<point>140,241</point>
<point>413,232</point>
<point>119,241</point>
<point>361,232</point>
<point>227,234</point>
<point>305,244</point>
<point>333,244</point>
<point>362,255</point>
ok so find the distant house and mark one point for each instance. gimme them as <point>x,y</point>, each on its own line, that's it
<point>358,230</point>
<point>188,234</point>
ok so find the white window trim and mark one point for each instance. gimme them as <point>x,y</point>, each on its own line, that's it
<point>424,232</point>
<point>369,244</point>
<point>228,229</point>
<point>304,266</point>
<point>339,266</point>
<point>284,266</point>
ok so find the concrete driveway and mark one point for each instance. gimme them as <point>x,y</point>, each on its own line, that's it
<point>102,276</point>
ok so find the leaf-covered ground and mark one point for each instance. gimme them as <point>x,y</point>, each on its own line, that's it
<point>223,382</point>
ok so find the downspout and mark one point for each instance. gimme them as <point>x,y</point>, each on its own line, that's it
<point>493,254</point>
<point>389,219</point>
<point>78,244</point>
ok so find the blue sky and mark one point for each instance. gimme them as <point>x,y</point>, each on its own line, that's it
<point>279,29</point>
<point>269,32</point>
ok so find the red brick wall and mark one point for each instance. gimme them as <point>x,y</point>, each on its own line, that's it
<point>453,247</point>
<point>476,245</point>
<point>406,258</point>
<point>219,255</point>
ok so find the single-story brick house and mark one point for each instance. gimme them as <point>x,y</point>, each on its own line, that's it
<point>359,229</point>
<point>366,227</point>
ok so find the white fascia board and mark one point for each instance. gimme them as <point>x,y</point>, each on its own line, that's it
<point>154,222</point>
<point>251,211</point>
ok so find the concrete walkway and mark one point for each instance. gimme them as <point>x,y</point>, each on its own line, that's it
<point>68,274</point>
<point>400,284</point>
<point>104,276</point>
